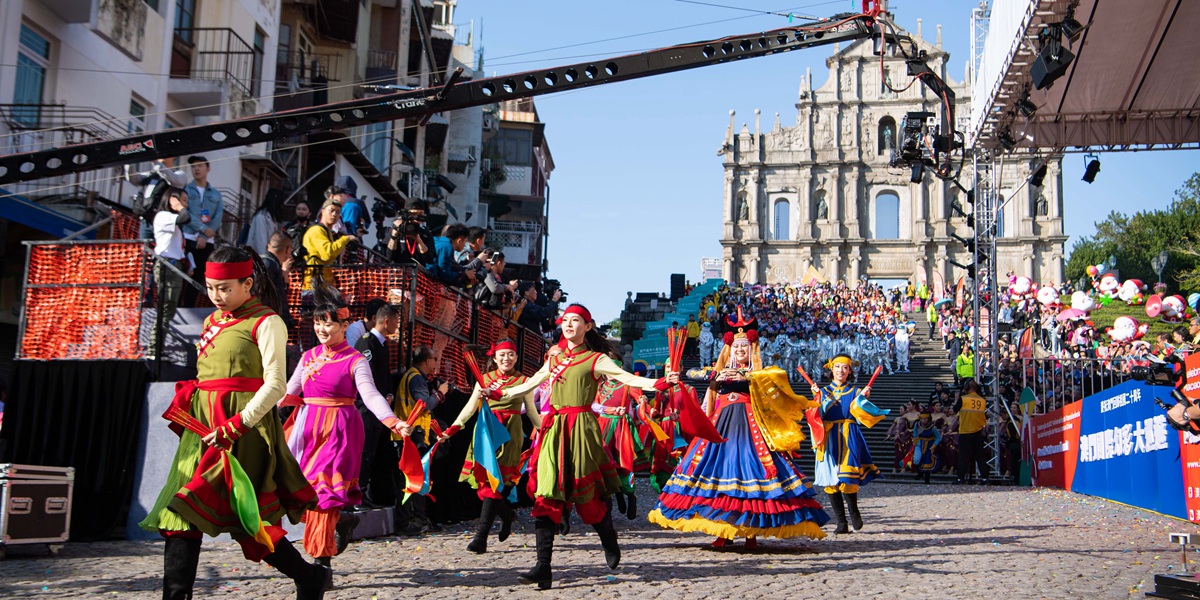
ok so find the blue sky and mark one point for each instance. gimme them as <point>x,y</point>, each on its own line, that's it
<point>636,194</point>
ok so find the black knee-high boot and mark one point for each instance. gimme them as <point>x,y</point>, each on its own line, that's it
<point>507,514</point>
<point>312,579</point>
<point>326,561</point>
<point>839,511</point>
<point>855,518</point>
<point>631,502</point>
<point>487,516</point>
<point>180,558</point>
<point>543,532</point>
<point>608,538</point>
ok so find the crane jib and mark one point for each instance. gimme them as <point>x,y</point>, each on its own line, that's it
<point>420,103</point>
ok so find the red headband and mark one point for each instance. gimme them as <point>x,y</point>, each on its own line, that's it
<point>575,309</point>
<point>505,345</point>
<point>233,270</point>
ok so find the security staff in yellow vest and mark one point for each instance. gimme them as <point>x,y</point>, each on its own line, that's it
<point>410,517</point>
<point>972,431</point>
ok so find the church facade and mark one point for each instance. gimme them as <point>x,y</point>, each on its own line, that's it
<point>820,193</point>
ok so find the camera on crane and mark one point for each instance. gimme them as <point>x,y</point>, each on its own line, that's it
<point>921,144</point>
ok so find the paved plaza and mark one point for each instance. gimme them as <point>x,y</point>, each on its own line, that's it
<point>920,542</point>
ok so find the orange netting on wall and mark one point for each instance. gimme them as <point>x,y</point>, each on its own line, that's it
<point>125,226</point>
<point>533,348</point>
<point>83,301</point>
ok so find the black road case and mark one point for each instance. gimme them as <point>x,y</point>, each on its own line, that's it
<point>36,503</point>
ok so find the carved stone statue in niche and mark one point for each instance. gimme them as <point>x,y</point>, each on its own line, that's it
<point>955,205</point>
<point>822,205</point>
<point>888,142</point>
<point>743,208</point>
<point>1041,205</point>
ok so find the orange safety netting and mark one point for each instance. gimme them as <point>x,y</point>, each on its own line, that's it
<point>83,301</point>
<point>125,226</point>
<point>533,348</point>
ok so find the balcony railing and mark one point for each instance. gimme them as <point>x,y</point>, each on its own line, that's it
<point>213,54</point>
<point>381,67</point>
<point>295,71</point>
<point>35,127</point>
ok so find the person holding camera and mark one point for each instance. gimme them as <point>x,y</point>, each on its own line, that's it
<point>409,239</point>
<point>415,386</point>
<point>446,246</point>
<point>322,245</point>
<point>494,293</point>
<point>530,313</point>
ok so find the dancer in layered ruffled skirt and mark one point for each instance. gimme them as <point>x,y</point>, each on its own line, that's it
<point>746,486</point>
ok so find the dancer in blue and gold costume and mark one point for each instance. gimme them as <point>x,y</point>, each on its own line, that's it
<point>843,461</point>
<point>745,486</point>
<point>926,437</point>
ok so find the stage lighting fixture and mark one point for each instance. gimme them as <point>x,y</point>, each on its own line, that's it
<point>1071,27</point>
<point>1091,167</point>
<point>1026,108</point>
<point>444,182</point>
<point>970,244</point>
<point>1006,140</point>
<point>918,172</point>
<point>1052,61</point>
<point>1038,177</point>
<point>970,269</point>
<point>971,220</point>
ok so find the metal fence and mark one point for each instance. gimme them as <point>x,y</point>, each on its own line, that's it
<point>84,300</point>
<point>1056,382</point>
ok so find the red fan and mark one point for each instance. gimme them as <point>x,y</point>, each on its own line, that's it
<point>1153,306</point>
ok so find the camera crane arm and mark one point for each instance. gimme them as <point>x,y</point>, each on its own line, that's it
<point>454,94</point>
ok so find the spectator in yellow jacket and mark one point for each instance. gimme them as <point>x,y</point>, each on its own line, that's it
<point>322,247</point>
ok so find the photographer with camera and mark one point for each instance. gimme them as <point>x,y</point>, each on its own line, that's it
<point>408,238</point>
<point>445,267</point>
<point>533,313</point>
<point>322,244</point>
<point>494,293</point>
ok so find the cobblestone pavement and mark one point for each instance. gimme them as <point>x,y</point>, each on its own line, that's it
<point>919,542</point>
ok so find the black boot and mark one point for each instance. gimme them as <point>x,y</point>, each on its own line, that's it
<point>487,516</point>
<point>540,574</point>
<point>926,477</point>
<point>839,511</point>
<point>326,562</point>
<point>621,507</point>
<point>507,514</point>
<point>312,579</point>
<point>343,531</point>
<point>180,558</point>
<point>631,502</point>
<point>608,539</point>
<point>855,519</point>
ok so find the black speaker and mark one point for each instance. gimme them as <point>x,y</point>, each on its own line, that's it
<point>1049,66</point>
<point>678,285</point>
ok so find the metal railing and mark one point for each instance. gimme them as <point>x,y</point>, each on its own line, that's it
<point>214,54</point>
<point>381,63</point>
<point>35,127</point>
<point>1056,382</point>
<point>296,70</point>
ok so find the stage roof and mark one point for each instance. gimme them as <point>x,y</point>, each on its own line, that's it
<point>1134,83</point>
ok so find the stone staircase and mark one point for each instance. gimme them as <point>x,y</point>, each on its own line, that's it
<point>929,365</point>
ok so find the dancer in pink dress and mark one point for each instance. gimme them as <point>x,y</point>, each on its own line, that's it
<point>327,434</point>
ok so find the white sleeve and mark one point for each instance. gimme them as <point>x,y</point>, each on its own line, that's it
<point>272,344</point>
<point>607,367</point>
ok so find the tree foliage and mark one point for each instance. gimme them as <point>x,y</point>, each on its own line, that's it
<point>1135,240</point>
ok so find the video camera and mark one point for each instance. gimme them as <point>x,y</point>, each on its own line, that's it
<point>549,286</point>
<point>1170,371</point>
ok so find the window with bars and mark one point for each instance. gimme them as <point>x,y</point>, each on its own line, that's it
<point>137,116</point>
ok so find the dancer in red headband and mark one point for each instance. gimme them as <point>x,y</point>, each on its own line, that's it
<point>570,465</point>
<point>508,455</point>
<point>233,472</point>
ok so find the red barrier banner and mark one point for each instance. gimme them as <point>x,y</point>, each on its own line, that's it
<point>1189,443</point>
<point>1056,446</point>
